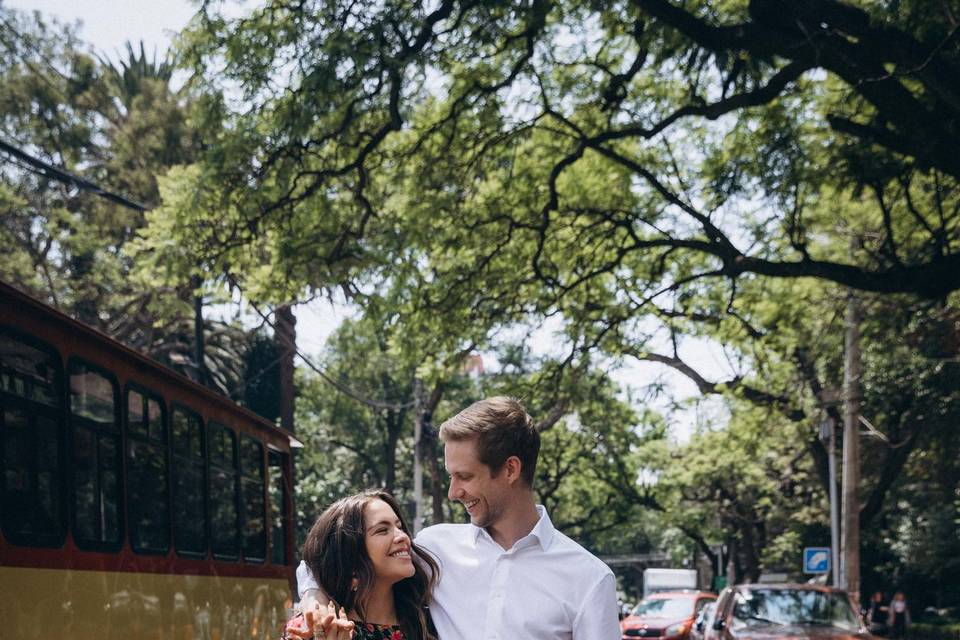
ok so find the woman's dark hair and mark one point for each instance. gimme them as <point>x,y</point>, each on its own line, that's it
<point>336,552</point>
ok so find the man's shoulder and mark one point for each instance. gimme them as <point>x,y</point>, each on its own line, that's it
<point>446,531</point>
<point>577,556</point>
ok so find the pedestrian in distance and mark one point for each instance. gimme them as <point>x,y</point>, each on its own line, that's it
<point>508,573</point>
<point>377,580</point>
<point>898,616</point>
<point>877,614</point>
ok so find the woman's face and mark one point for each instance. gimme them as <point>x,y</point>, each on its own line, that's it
<point>388,545</point>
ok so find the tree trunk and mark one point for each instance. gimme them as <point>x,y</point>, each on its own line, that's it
<point>748,551</point>
<point>85,306</point>
<point>732,574</point>
<point>429,441</point>
<point>394,421</point>
<point>199,340</point>
<point>285,335</point>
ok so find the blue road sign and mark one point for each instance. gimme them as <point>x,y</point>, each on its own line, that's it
<point>816,560</point>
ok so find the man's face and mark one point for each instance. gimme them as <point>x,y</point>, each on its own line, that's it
<point>473,484</point>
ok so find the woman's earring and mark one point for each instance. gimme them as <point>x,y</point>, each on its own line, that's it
<point>354,584</point>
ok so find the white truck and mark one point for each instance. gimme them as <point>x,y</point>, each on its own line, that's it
<point>655,580</point>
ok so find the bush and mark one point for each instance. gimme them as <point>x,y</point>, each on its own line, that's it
<point>928,631</point>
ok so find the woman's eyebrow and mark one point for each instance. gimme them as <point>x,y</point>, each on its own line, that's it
<point>382,522</point>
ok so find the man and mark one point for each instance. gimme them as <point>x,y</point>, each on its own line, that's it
<point>509,573</point>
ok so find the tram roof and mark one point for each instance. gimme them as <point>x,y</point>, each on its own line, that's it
<point>8,291</point>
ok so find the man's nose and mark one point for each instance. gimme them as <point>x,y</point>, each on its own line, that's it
<point>454,492</point>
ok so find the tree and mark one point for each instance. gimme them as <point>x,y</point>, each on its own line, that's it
<point>604,164</point>
<point>792,87</point>
<point>746,487</point>
<point>358,424</point>
<point>120,126</point>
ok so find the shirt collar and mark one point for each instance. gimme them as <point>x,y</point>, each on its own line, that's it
<point>542,532</point>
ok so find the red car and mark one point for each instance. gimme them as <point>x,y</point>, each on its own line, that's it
<point>668,615</point>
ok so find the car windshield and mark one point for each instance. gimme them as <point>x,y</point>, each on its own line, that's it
<point>664,608</point>
<point>790,607</point>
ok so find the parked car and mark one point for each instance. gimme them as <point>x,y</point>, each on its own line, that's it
<point>668,615</point>
<point>703,621</point>
<point>785,612</point>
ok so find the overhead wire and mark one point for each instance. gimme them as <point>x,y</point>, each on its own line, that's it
<point>45,169</point>
<point>56,173</point>
<point>41,167</point>
<point>329,379</point>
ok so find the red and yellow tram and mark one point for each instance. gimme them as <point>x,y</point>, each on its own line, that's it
<point>134,503</point>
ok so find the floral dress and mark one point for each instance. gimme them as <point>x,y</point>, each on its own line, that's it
<point>367,631</point>
<point>361,630</point>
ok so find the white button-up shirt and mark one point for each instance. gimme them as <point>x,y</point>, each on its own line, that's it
<point>544,587</point>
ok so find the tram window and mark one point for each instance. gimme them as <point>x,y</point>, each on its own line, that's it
<point>92,395</point>
<point>189,516</point>
<point>28,371</point>
<point>147,508</point>
<point>278,508</point>
<point>224,521</point>
<point>31,430</point>
<point>96,458</point>
<point>136,425</point>
<point>251,499</point>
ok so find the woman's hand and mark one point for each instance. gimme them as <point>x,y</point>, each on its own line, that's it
<point>314,606</point>
<point>322,622</point>
<point>341,627</point>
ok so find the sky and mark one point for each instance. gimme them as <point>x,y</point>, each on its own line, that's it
<point>108,24</point>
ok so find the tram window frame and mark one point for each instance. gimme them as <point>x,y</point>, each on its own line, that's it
<point>99,429</point>
<point>163,445</point>
<point>34,409</point>
<point>228,551</point>
<point>175,456</point>
<point>279,515</point>
<point>258,480</point>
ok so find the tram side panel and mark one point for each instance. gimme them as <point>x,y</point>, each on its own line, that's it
<point>89,544</point>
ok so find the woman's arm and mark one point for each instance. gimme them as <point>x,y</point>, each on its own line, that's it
<point>314,602</point>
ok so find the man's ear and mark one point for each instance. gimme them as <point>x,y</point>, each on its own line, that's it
<point>512,468</point>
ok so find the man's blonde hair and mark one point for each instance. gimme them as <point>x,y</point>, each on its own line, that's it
<point>502,428</point>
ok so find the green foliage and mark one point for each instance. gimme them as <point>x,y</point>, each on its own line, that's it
<point>642,172</point>
<point>721,171</point>
<point>120,127</point>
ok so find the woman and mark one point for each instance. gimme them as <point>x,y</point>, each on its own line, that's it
<point>378,581</point>
<point>899,615</point>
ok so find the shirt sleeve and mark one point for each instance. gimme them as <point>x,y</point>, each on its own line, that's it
<point>597,618</point>
<point>305,580</point>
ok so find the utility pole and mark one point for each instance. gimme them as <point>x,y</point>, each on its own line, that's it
<point>828,434</point>
<point>417,455</point>
<point>850,571</point>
